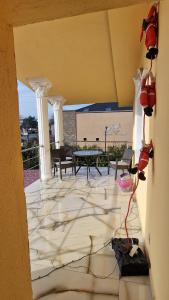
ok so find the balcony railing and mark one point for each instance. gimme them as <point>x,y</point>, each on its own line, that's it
<point>31,162</point>
<point>30,158</point>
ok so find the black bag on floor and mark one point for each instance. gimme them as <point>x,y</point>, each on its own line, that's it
<point>129,266</point>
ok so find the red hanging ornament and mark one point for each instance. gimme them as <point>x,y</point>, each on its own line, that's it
<point>148,94</point>
<point>146,153</point>
<point>150,27</point>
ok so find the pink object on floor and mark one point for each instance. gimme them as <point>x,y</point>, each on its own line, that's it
<point>30,176</point>
<point>125,182</point>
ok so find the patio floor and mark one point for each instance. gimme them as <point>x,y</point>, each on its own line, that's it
<point>71,223</point>
<point>30,176</point>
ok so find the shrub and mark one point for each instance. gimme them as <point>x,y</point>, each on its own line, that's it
<point>116,152</point>
<point>113,152</point>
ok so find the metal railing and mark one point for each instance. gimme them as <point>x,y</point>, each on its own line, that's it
<point>30,157</point>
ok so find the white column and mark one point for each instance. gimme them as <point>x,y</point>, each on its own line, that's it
<point>58,102</point>
<point>41,86</point>
<point>138,113</point>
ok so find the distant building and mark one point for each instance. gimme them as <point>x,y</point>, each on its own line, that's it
<point>103,107</point>
<point>29,135</point>
<point>86,126</point>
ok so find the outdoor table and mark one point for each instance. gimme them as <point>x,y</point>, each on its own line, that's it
<point>88,158</point>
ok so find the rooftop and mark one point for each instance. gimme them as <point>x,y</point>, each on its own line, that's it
<point>103,107</point>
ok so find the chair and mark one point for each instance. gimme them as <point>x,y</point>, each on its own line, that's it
<point>68,151</point>
<point>123,164</point>
<point>59,161</point>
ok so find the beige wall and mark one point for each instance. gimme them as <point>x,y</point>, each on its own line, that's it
<point>153,196</point>
<point>88,58</point>
<point>22,12</point>
<point>92,126</point>
<point>15,282</point>
<point>125,32</point>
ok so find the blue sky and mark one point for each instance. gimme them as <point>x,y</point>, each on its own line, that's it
<point>27,102</point>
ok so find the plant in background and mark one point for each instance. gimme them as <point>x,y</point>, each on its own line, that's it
<point>116,152</point>
<point>92,147</point>
<point>113,153</point>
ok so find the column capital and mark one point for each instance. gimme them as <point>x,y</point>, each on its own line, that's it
<point>57,100</point>
<point>40,86</point>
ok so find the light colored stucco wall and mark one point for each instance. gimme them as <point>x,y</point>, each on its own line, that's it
<point>153,195</point>
<point>125,24</point>
<point>15,281</point>
<point>88,58</point>
<point>92,126</point>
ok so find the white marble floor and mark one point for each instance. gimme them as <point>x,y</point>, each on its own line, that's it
<point>71,223</point>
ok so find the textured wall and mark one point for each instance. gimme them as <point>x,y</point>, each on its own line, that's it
<point>153,196</point>
<point>69,127</point>
<point>15,282</point>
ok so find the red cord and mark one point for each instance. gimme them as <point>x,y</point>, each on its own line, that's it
<point>131,197</point>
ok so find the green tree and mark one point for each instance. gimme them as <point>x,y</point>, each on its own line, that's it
<point>29,122</point>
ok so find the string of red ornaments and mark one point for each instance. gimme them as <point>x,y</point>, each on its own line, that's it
<point>147,97</point>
